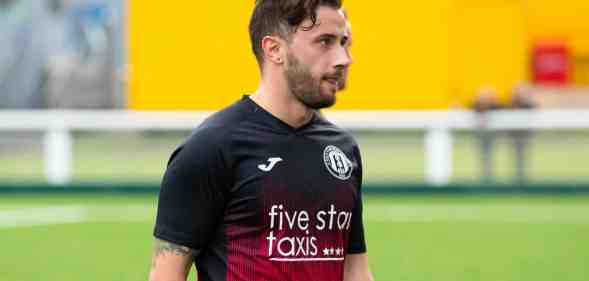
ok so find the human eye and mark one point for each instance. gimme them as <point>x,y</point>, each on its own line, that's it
<point>346,42</point>
<point>326,41</point>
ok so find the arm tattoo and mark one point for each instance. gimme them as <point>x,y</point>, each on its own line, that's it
<point>163,247</point>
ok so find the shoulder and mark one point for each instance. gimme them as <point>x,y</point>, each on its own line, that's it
<point>212,137</point>
<point>223,120</point>
<point>219,125</point>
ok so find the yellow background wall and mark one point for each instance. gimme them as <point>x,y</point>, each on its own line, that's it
<point>563,19</point>
<point>190,54</point>
<point>489,48</point>
<point>196,54</point>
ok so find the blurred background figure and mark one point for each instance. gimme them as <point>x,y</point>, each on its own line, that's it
<point>22,60</point>
<point>61,54</point>
<point>485,101</point>
<point>61,51</point>
<point>81,63</point>
<point>522,98</point>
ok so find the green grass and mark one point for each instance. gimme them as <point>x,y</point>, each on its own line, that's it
<point>410,238</point>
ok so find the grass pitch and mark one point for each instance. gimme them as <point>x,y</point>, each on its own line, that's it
<point>66,237</point>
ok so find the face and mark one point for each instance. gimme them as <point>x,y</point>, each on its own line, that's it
<point>317,60</point>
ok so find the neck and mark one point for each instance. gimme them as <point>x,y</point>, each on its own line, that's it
<point>274,96</point>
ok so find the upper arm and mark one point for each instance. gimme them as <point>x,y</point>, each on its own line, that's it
<point>356,268</point>
<point>170,262</point>
<point>190,205</point>
<point>192,195</point>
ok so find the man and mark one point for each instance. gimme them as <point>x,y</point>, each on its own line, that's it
<point>486,101</point>
<point>267,189</point>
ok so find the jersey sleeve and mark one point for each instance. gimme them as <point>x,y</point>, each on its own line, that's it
<point>192,195</point>
<point>357,243</point>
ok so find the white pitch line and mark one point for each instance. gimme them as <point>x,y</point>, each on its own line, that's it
<point>65,214</point>
<point>28,217</point>
<point>491,213</point>
<point>122,213</point>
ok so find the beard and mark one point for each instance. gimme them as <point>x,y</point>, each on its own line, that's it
<point>306,88</point>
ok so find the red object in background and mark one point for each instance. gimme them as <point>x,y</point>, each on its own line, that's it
<point>552,63</point>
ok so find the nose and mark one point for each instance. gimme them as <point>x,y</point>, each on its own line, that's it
<point>344,57</point>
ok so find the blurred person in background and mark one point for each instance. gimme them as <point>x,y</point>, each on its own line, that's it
<point>486,100</point>
<point>62,51</point>
<point>22,58</point>
<point>228,190</point>
<point>522,99</point>
<point>81,55</point>
<point>57,53</point>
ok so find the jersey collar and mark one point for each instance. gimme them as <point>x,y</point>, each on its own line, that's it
<point>274,121</point>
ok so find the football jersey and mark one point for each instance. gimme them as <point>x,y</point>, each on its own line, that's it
<point>259,200</point>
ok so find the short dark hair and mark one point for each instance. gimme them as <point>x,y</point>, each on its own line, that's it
<point>282,18</point>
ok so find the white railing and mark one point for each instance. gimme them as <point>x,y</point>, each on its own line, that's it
<point>438,127</point>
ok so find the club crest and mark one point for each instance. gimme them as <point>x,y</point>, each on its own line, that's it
<point>337,163</point>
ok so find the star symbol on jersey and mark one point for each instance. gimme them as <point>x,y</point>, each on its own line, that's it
<point>331,251</point>
<point>338,251</point>
<point>326,252</point>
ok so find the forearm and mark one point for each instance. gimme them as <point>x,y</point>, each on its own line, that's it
<point>164,275</point>
<point>356,268</point>
<point>357,276</point>
<point>160,276</point>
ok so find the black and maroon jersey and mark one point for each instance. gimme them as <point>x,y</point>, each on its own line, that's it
<point>261,201</point>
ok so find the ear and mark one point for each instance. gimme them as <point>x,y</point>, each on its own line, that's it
<point>274,49</point>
